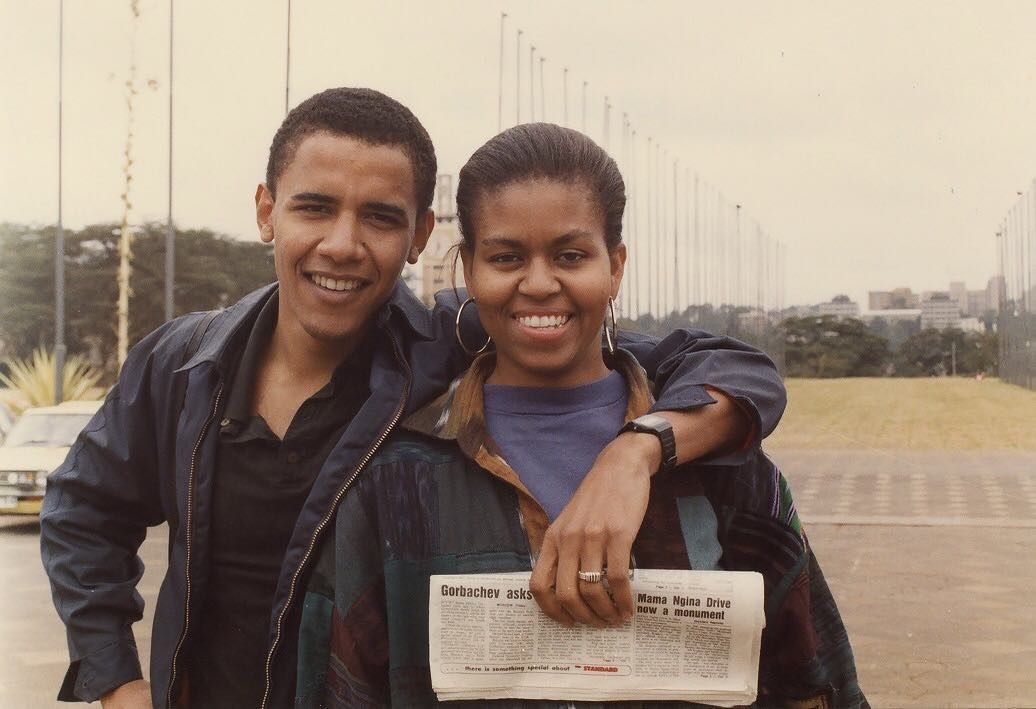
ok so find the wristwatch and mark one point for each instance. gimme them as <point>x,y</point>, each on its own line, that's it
<point>660,427</point>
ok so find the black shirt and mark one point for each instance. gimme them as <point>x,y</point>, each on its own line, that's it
<point>261,485</point>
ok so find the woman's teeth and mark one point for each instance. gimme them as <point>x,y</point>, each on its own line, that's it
<point>334,283</point>
<point>543,321</point>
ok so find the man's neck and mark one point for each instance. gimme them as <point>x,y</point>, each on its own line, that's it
<point>306,357</point>
<point>294,367</point>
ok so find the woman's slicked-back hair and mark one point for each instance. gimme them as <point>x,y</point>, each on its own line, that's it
<point>541,151</point>
<point>366,115</point>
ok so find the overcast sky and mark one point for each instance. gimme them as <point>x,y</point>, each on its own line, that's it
<point>883,143</point>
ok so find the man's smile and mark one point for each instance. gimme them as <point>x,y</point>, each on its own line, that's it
<point>336,284</point>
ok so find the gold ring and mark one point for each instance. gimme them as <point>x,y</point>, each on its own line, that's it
<point>590,576</point>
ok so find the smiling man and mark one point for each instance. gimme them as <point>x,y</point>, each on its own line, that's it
<point>245,430</point>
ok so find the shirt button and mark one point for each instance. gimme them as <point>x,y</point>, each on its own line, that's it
<point>293,457</point>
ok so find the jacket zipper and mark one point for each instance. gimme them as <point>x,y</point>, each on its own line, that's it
<point>331,512</point>
<point>188,521</point>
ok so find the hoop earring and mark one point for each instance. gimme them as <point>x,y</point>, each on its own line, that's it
<point>610,333</point>
<point>460,340</point>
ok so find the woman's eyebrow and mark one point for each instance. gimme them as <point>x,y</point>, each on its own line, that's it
<point>561,240</point>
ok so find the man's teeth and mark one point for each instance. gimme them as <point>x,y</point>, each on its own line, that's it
<point>335,284</point>
<point>542,321</point>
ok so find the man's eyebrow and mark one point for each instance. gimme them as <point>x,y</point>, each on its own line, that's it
<point>318,197</point>
<point>386,207</point>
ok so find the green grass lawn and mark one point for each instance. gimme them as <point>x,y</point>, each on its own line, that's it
<point>896,413</point>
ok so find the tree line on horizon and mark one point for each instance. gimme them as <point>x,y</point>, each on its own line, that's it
<point>829,347</point>
<point>215,270</point>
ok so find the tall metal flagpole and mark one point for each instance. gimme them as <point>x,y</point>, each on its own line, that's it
<point>532,82</point>
<point>585,84</point>
<point>564,95</point>
<point>543,96</point>
<point>676,238</point>
<point>652,282</point>
<point>59,245</point>
<point>170,240</point>
<point>500,97</point>
<point>518,80</point>
<point>287,63</point>
<point>697,257</point>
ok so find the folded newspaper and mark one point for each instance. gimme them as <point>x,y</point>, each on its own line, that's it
<point>694,636</point>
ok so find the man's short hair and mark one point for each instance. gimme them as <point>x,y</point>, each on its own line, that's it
<point>364,114</point>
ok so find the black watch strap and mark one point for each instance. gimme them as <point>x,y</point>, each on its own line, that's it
<point>663,430</point>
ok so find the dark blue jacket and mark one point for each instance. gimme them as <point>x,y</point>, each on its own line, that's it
<point>144,459</point>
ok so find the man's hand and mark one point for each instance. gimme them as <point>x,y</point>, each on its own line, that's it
<point>132,695</point>
<point>596,531</point>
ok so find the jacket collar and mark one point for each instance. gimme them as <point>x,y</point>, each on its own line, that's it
<point>458,415</point>
<point>403,310</point>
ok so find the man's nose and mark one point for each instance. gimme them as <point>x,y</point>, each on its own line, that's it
<point>344,241</point>
<point>540,280</point>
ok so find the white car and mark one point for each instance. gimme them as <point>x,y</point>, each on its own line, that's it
<point>36,445</point>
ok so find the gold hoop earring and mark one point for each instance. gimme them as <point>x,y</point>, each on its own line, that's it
<point>610,333</point>
<point>460,340</point>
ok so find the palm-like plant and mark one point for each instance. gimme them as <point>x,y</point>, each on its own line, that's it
<point>31,380</point>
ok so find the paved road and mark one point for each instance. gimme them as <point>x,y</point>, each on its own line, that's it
<point>930,556</point>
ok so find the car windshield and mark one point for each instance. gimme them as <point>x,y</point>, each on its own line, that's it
<point>46,430</point>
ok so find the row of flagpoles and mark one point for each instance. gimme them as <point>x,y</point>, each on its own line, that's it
<point>689,245</point>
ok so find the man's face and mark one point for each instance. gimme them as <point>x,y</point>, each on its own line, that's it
<point>343,223</point>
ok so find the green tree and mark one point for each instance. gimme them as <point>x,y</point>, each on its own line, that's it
<point>212,271</point>
<point>932,353</point>
<point>830,347</point>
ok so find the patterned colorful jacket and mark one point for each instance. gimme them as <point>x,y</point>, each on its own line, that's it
<point>439,499</point>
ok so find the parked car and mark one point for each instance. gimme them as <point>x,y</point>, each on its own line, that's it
<point>34,447</point>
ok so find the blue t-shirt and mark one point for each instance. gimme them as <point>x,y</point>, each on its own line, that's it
<point>551,437</point>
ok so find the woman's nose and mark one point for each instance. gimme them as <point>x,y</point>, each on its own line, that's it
<point>539,281</point>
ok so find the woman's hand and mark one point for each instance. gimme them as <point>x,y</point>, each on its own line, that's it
<point>595,531</point>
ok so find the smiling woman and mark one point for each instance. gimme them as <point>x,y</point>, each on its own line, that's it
<point>484,477</point>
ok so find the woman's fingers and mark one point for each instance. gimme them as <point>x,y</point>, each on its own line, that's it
<point>541,583</point>
<point>619,577</point>
<point>594,591</point>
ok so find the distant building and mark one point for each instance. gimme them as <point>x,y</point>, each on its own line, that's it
<point>753,321</point>
<point>971,324</point>
<point>437,261</point>
<point>840,306</point>
<point>895,299</point>
<point>940,311</point>
<point>996,290</point>
<point>973,303</point>
<point>892,315</point>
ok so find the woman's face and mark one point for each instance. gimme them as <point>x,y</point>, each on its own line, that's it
<point>541,274</point>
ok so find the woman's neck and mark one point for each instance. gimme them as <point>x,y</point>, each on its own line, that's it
<point>509,372</point>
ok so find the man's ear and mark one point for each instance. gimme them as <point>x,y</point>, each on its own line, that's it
<point>617,257</point>
<point>422,230</point>
<point>264,212</point>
